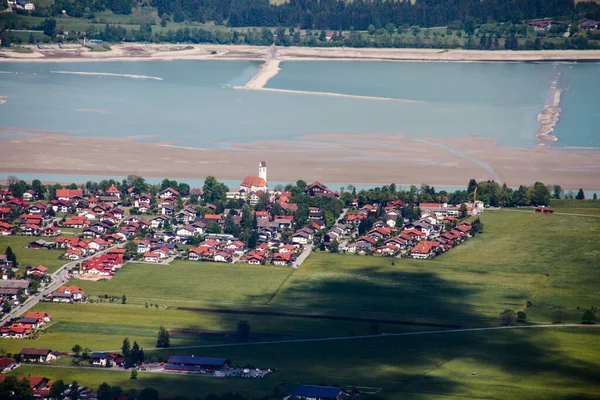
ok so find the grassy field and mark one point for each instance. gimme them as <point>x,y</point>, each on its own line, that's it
<point>591,207</point>
<point>540,364</point>
<point>33,257</point>
<point>198,281</point>
<point>550,260</point>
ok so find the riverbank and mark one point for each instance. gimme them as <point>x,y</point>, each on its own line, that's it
<point>369,158</point>
<point>166,52</point>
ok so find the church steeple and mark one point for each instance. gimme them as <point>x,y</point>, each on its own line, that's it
<point>262,170</point>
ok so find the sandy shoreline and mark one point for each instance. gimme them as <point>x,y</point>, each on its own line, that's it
<point>347,159</point>
<point>166,52</point>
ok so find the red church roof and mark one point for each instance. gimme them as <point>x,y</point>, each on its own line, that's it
<point>251,180</point>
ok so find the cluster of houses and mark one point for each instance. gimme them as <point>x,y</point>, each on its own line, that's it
<point>546,24</point>
<point>102,224</point>
<point>32,321</point>
<point>26,325</point>
<point>435,232</point>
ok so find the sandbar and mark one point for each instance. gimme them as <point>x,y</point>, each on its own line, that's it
<point>378,158</point>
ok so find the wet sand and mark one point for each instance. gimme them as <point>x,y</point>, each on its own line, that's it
<point>337,158</point>
<point>133,51</point>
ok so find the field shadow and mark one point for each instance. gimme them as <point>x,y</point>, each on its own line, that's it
<point>360,302</point>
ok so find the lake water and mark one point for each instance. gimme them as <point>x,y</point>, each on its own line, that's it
<point>194,104</point>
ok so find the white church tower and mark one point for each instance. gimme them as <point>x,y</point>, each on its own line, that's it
<point>262,170</point>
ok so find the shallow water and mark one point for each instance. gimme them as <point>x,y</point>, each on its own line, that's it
<point>193,104</point>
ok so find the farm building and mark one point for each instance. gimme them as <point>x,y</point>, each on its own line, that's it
<point>195,364</point>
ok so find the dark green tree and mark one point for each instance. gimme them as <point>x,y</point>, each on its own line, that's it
<point>521,316</point>
<point>580,195</point>
<point>123,299</point>
<point>126,348</point>
<point>49,27</point>
<point>57,389</point>
<point>77,349</point>
<point>508,317</point>
<point>11,256</point>
<point>162,339</point>
<point>335,246</point>
<point>214,190</point>
<point>588,317</point>
<point>540,196</point>
<point>558,317</point>
<point>557,192</point>
<point>105,392</point>
<point>74,391</point>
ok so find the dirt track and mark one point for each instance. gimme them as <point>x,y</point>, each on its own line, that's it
<point>310,316</point>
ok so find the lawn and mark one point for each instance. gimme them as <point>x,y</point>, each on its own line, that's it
<point>33,257</point>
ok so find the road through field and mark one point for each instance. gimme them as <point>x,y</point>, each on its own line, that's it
<point>330,339</point>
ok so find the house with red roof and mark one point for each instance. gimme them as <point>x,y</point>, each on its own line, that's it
<point>5,228</point>
<point>76,222</point>
<point>197,253</point>
<point>68,194</point>
<point>40,271</point>
<point>68,294</point>
<point>5,212</point>
<point>40,316</point>
<point>7,364</point>
<point>317,189</point>
<point>365,243</point>
<point>168,194</point>
<point>17,331</point>
<point>37,355</point>
<point>415,234</point>
<point>223,256</point>
<point>425,249</point>
<point>256,258</point>
<point>152,257</point>
<point>113,191</point>
<point>281,258</point>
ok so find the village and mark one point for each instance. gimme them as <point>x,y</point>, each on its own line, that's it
<point>101,230</point>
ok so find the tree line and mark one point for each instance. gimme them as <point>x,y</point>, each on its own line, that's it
<point>325,14</point>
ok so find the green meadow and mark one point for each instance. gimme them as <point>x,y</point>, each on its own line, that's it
<point>532,363</point>
<point>33,257</point>
<point>524,261</point>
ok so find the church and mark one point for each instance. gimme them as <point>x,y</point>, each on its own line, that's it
<point>252,183</point>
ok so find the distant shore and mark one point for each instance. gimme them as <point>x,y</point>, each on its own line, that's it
<point>166,52</point>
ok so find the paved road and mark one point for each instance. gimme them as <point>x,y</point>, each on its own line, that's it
<point>331,339</point>
<point>302,257</point>
<point>59,277</point>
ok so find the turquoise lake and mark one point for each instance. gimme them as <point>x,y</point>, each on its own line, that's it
<point>194,104</point>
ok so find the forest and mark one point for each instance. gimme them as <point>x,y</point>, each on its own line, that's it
<point>331,14</point>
